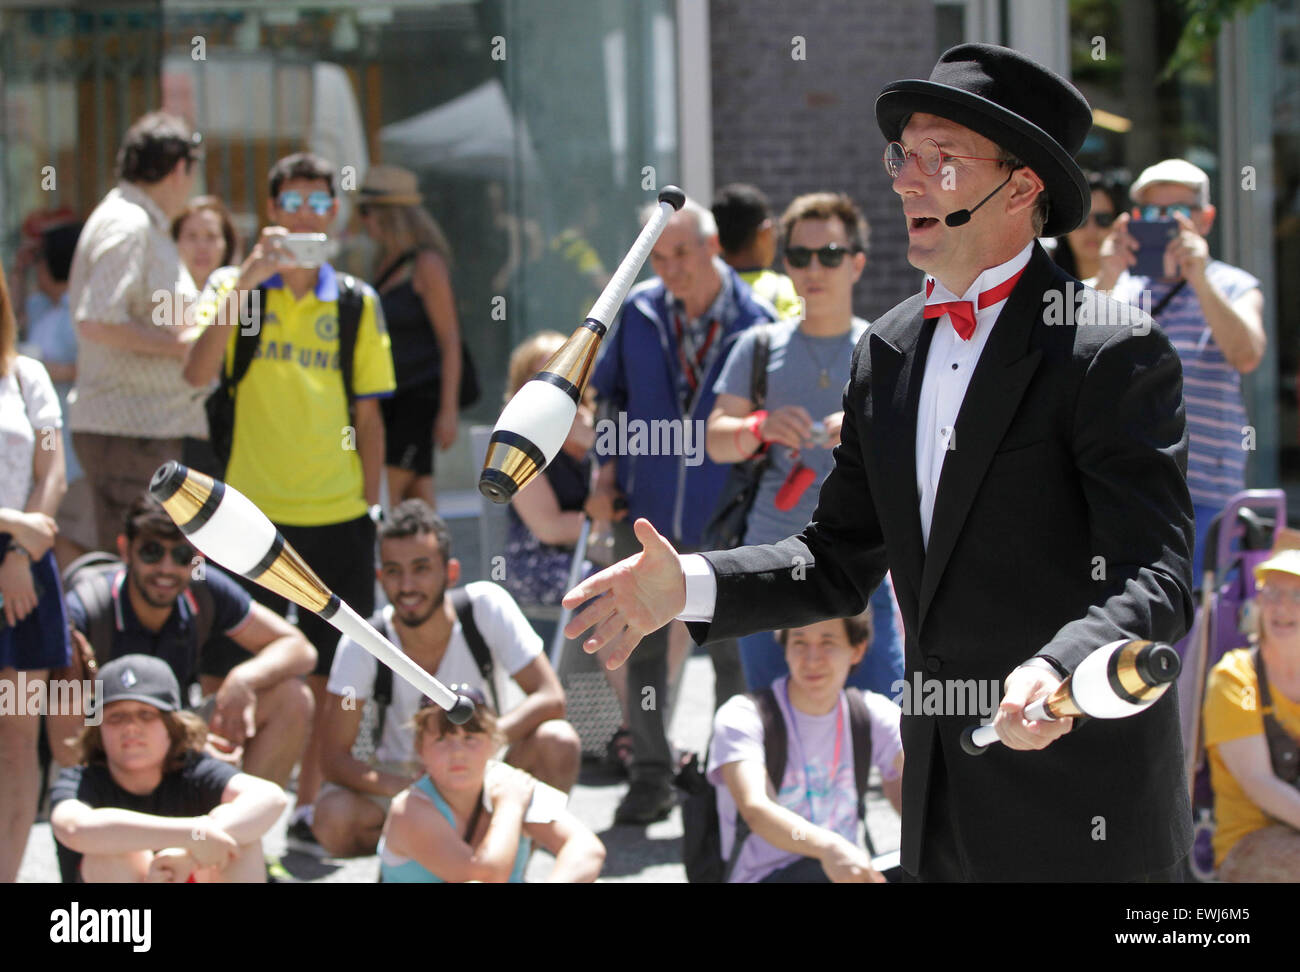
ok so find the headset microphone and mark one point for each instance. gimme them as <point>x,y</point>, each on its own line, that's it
<point>962,216</point>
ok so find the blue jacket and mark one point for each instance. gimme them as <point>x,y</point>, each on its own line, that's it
<point>637,375</point>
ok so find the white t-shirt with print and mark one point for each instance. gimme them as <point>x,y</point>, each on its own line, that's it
<point>29,406</point>
<point>509,637</point>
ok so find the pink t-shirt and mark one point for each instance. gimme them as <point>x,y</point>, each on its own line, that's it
<point>814,787</point>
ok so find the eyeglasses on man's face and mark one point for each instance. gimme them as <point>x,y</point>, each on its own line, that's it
<point>152,551</point>
<point>929,156</point>
<point>1152,213</point>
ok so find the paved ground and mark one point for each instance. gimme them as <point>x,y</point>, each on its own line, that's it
<point>644,854</point>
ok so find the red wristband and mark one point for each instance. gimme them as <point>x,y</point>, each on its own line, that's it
<point>754,422</point>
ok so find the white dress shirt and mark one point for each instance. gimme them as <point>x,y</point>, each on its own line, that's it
<point>948,368</point>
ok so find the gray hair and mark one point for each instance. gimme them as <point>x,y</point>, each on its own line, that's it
<point>705,224</point>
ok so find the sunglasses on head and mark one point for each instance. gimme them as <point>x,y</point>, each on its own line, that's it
<point>151,551</point>
<point>1152,213</point>
<point>291,201</point>
<point>830,256</point>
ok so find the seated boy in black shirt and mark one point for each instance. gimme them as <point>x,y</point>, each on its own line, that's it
<point>145,784</point>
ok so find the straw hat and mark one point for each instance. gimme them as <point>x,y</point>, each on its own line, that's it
<point>390,185</point>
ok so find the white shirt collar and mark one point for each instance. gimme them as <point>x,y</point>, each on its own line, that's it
<point>987,280</point>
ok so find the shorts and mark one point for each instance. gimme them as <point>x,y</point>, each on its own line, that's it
<point>408,428</point>
<point>40,640</point>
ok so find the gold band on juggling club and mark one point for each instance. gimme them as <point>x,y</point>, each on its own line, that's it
<point>191,498</point>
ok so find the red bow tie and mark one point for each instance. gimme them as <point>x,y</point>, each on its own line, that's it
<point>962,312</point>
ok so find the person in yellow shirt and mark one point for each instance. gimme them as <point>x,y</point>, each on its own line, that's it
<point>1251,732</point>
<point>307,452</point>
<point>747,236</point>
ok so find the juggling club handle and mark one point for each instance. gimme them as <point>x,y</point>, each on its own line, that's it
<point>976,739</point>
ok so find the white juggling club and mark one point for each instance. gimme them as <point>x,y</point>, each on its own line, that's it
<point>536,421</point>
<point>1117,680</point>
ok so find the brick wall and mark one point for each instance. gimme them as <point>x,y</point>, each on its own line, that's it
<point>794,126</point>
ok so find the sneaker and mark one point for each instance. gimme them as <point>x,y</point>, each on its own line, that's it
<point>299,838</point>
<point>646,802</point>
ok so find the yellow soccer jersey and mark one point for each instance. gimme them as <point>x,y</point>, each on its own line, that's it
<point>294,452</point>
<point>1232,711</point>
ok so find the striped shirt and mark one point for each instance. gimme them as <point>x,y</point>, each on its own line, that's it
<point>1216,415</point>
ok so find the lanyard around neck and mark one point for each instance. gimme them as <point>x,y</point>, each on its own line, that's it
<point>803,754</point>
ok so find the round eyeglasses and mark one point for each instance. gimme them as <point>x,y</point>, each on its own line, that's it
<point>929,156</point>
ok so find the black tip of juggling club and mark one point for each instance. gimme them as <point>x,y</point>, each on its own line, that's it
<point>460,712</point>
<point>167,480</point>
<point>672,196</point>
<point>968,744</point>
<point>1158,664</point>
<point>496,485</point>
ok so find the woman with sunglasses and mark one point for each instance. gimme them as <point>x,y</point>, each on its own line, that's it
<point>1078,253</point>
<point>33,627</point>
<point>146,804</point>
<point>470,818</point>
<point>414,285</point>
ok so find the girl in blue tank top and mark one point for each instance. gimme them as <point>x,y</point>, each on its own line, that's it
<point>470,818</point>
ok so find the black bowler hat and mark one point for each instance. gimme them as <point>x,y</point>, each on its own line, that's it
<point>1031,112</point>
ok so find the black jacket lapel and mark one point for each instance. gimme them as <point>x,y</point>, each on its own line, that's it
<point>896,370</point>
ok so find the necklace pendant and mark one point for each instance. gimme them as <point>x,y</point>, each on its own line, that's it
<point>824,380</point>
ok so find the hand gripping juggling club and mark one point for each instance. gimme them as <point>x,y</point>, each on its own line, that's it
<point>536,421</point>
<point>227,527</point>
<point>1117,680</point>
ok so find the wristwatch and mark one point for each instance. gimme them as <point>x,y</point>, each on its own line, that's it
<point>376,514</point>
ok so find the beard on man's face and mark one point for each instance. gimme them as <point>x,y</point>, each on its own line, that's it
<point>413,608</point>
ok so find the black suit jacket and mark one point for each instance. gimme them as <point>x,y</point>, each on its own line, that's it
<point>1062,522</point>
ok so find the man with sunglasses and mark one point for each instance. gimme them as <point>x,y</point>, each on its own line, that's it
<point>1021,479</point>
<point>1213,314</point>
<point>825,237</point>
<point>128,290</point>
<point>306,448</point>
<point>165,601</point>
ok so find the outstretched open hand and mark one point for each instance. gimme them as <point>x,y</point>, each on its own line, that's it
<point>634,597</point>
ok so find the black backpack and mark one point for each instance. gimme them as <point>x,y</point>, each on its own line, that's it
<point>90,577</point>
<point>702,837</point>
<point>382,693</point>
<point>220,405</point>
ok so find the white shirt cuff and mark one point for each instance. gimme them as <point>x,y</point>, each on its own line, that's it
<point>701,588</point>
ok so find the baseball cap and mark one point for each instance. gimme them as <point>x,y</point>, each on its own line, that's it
<point>140,678</point>
<point>1178,171</point>
<point>1283,562</point>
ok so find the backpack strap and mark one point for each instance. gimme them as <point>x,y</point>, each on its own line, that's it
<point>860,730</point>
<point>206,616</point>
<point>246,344</point>
<point>774,755</point>
<point>94,589</point>
<point>351,303</point>
<point>460,600</point>
<point>758,374</point>
<point>1283,752</point>
<point>382,689</point>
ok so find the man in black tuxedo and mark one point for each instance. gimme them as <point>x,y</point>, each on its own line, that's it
<point>1014,449</point>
